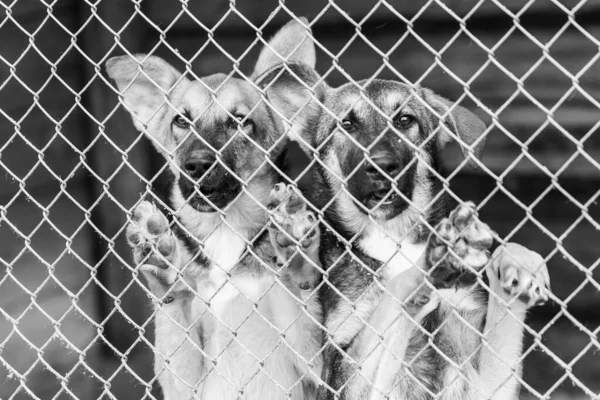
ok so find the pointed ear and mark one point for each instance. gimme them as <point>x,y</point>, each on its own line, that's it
<point>461,122</point>
<point>294,92</point>
<point>291,44</point>
<point>145,83</point>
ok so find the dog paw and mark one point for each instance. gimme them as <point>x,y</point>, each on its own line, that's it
<point>153,243</point>
<point>469,239</point>
<point>292,223</point>
<point>520,273</point>
<point>411,290</point>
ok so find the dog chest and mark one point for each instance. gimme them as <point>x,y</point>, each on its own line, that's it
<point>224,247</point>
<point>398,255</point>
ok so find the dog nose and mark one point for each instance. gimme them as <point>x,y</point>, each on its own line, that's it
<point>198,163</point>
<point>385,162</point>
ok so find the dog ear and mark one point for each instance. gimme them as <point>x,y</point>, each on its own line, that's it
<point>462,122</point>
<point>291,44</point>
<point>295,92</point>
<point>145,83</point>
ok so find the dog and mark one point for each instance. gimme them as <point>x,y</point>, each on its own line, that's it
<point>204,285</point>
<point>233,273</point>
<point>414,308</point>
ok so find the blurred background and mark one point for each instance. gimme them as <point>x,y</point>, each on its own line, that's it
<point>73,320</point>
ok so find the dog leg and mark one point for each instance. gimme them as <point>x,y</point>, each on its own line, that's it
<point>292,223</point>
<point>405,302</point>
<point>518,280</point>
<point>155,248</point>
<point>159,254</point>
<point>462,306</point>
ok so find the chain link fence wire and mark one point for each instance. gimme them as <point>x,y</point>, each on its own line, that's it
<point>78,319</point>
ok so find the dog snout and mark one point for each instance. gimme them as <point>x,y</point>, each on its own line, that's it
<point>197,164</point>
<point>383,161</point>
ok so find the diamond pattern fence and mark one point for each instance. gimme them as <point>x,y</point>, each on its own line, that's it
<point>222,316</point>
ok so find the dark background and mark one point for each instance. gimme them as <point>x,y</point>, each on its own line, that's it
<point>71,164</point>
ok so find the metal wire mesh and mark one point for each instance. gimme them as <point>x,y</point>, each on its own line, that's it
<point>225,260</point>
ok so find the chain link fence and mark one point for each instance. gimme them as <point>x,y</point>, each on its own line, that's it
<point>255,292</point>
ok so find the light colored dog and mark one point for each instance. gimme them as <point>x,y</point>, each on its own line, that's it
<point>388,334</point>
<point>237,317</point>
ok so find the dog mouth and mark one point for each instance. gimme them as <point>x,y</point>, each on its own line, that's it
<point>208,197</point>
<point>382,198</point>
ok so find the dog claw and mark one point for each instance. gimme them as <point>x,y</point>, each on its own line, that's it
<point>460,247</point>
<point>463,216</point>
<point>521,273</point>
<point>469,239</point>
<point>294,204</point>
<point>278,187</point>
<point>447,231</point>
<point>420,299</point>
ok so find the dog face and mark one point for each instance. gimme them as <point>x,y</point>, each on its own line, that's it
<point>382,154</point>
<point>216,132</point>
<point>220,135</point>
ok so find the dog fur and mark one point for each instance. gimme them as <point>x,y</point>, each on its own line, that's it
<point>370,249</point>
<point>389,334</point>
<point>235,316</point>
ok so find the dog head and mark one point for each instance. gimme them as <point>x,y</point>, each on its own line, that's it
<point>220,135</point>
<point>382,144</point>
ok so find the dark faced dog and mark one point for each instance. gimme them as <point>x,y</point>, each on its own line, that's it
<point>378,181</point>
<point>232,321</point>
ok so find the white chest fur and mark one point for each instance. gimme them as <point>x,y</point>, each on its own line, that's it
<point>224,247</point>
<point>398,254</point>
<point>227,279</point>
<point>248,317</point>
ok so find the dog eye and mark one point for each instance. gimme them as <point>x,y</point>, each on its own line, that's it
<point>238,120</point>
<point>347,124</point>
<point>181,121</point>
<point>405,121</point>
